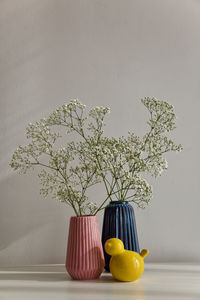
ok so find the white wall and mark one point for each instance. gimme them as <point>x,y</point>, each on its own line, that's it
<point>104,52</point>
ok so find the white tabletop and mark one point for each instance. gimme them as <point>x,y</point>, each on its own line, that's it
<point>159,281</point>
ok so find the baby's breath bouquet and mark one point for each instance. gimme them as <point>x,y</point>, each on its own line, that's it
<point>126,161</point>
<point>65,172</point>
<point>68,172</point>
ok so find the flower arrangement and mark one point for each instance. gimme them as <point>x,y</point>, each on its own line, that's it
<point>68,172</point>
<point>126,159</point>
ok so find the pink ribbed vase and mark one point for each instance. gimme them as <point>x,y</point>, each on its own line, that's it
<point>85,258</point>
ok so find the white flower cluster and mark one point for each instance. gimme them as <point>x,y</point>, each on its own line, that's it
<point>67,172</point>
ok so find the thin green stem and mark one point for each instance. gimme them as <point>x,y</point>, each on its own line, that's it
<point>41,164</point>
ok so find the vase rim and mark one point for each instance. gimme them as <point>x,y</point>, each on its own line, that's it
<point>117,201</point>
<point>84,216</point>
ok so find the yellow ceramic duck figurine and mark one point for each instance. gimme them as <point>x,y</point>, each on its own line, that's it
<point>125,265</point>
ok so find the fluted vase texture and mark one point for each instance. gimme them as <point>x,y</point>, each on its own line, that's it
<point>85,258</point>
<point>119,222</point>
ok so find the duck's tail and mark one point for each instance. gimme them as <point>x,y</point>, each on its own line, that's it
<point>144,253</point>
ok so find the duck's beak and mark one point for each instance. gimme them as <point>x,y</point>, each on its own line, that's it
<point>108,247</point>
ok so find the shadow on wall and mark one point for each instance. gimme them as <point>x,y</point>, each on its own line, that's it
<point>23,210</point>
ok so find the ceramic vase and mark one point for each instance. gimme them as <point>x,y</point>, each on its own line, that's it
<point>85,258</point>
<point>119,222</point>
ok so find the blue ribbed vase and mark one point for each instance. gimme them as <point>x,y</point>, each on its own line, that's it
<point>119,222</point>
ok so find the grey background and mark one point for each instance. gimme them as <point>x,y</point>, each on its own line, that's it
<point>111,53</point>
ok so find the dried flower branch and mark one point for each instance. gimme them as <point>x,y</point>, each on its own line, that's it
<point>68,172</point>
